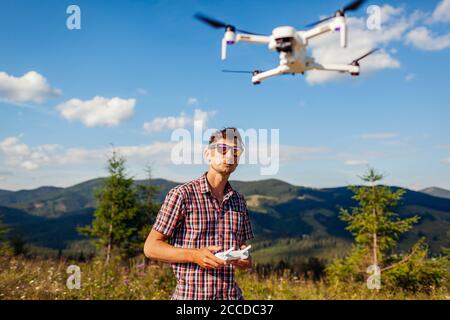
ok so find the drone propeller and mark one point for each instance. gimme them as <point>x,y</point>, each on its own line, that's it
<point>242,71</point>
<point>352,6</point>
<point>219,24</point>
<point>356,61</point>
<point>254,72</point>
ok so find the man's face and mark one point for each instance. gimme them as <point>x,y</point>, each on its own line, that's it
<point>223,155</point>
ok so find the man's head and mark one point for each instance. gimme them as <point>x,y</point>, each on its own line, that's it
<point>224,149</point>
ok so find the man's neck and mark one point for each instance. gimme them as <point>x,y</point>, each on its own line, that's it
<point>217,183</point>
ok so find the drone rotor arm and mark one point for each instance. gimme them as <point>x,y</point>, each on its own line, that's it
<point>346,68</point>
<point>334,24</point>
<point>258,77</point>
<point>232,38</point>
<point>252,38</point>
<point>316,31</point>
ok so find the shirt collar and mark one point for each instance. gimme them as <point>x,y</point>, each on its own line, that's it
<point>204,187</point>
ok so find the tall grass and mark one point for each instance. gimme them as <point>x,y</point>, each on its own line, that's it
<point>46,279</point>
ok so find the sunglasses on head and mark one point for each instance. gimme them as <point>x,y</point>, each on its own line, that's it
<point>223,149</point>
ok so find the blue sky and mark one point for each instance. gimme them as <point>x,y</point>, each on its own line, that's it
<point>161,65</point>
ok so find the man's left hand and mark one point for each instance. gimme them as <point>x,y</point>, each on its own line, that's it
<point>243,263</point>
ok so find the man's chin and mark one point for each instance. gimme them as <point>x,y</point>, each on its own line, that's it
<point>227,168</point>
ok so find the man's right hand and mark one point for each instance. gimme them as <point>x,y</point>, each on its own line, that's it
<point>205,257</point>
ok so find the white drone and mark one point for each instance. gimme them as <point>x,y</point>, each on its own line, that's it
<point>291,44</point>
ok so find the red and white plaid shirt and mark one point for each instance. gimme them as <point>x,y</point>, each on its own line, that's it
<point>192,218</point>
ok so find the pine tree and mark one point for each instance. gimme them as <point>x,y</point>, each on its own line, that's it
<point>446,250</point>
<point>114,225</point>
<point>148,209</point>
<point>3,232</point>
<point>375,226</point>
<point>18,245</point>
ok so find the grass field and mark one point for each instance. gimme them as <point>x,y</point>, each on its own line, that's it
<point>46,279</point>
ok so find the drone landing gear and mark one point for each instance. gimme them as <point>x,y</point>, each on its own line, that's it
<point>258,76</point>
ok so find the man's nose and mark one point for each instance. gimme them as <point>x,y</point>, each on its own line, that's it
<point>230,156</point>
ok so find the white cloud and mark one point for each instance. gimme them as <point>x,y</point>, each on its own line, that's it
<point>410,77</point>
<point>156,153</point>
<point>12,146</point>
<point>31,87</point>
<point>192,101</point>
<point>326,49</point>
<point>162,123</point>
<point>141,91</point>
<point>28,165</point>
<point>14,154</point>
<point>378,135</point>
<point>182,121</point>
<point>299,153</point>
<point>99,111</point>
<point>422,39</point>
<point>355,162</point>
<point>442,12</point>
<point>17,154</point>
<point>446,161</point>
<point>203,116</point>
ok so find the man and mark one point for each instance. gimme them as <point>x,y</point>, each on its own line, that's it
<point>200,218</point>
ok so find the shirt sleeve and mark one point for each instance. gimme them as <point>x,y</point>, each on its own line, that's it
<point>247,230</point>
<point>171,212</point>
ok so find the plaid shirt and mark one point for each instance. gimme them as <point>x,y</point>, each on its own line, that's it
<point>192,218</point>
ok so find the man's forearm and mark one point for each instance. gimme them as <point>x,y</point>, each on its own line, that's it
<point>162,251</point>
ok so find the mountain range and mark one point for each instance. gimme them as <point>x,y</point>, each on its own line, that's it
<point>437,192</point>
<point>284,216</point>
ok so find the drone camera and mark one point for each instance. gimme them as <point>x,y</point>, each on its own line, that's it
<point>284,44</point>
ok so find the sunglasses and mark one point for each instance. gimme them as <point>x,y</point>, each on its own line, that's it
<point>224,148</point>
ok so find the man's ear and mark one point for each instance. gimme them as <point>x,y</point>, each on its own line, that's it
<point>207,155</point>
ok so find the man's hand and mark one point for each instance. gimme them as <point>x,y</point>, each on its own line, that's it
<point>243,263</point>
<point>205,258</point>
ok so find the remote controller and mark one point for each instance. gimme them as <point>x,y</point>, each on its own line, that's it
<point>231,255</point>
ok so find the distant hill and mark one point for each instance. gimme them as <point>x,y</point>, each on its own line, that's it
<point>437,192</point>
<point>53,233</point>
<point>281,214</point>
<point>52,202</point>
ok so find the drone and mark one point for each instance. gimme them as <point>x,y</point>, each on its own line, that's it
<point>291,44</point>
